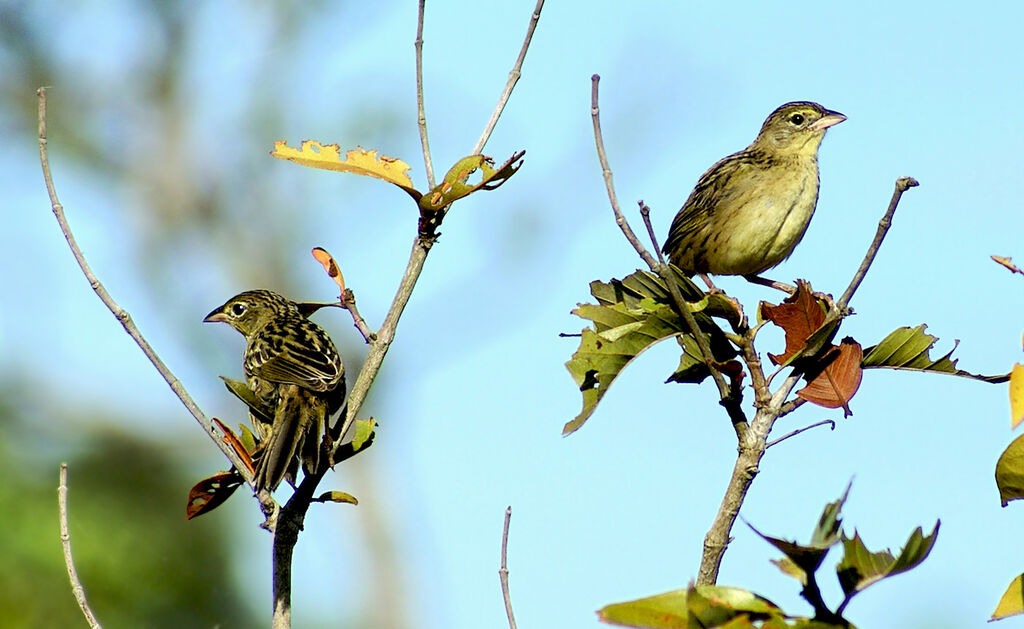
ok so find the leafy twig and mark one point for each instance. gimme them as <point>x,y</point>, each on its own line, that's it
<point>65,542</point>
<point>503,571</point>
<point>120,313</point>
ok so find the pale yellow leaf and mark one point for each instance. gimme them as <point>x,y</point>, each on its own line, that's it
<point>1012,602</point>
<point>1017,395</point>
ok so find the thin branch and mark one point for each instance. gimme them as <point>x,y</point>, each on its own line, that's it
<point>902,185</point>
<point>645,214</point>
<point>65,542</point>
<point>348,302</point>
<point>513,78</point>
<point>503,570</point>
<point>832,426</point>
<point>120,313</point>
<point>421,111</point>
<point>602,156</point>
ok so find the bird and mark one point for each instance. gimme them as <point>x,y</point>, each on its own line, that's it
<point>294,371</point>
<point>749,210</point>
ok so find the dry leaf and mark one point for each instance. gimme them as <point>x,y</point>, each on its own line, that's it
<point>799,316</point>
<point>210,493</point>
<point>232,440</point>
<point>358,161</point>
<point>330,266</point>
<point>834,385</point>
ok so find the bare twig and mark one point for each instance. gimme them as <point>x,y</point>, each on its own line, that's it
<point>348,302</point>
<point>503,570</point>
<point>645,214</point>
<point>832,426</point>
<point>65,542</point>
<point>120,313</point>
<point>513,78</point>
<point>421,111</point>
<point>602,156</point>
<point>902,185</point>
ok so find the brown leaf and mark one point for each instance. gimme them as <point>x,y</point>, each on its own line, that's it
<point>236,444</point>
<point>799,316</point>
<point>836,378</point>
<point>210,493</point>
<point>327,260</point>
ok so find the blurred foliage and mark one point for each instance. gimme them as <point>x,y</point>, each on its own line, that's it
<point>141,564</point>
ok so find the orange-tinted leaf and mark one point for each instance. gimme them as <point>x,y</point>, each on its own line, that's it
<point>210,493</point>
<point>358,161</point>
<point>799,315</point>
<point>236,444</point>
<point>455,184</point>
<point>1017,395</point>
<point>838,381</point>
<point>330,266</point>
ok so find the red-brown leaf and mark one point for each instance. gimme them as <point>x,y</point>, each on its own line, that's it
<point>799,316</point>
<point>834,385</point>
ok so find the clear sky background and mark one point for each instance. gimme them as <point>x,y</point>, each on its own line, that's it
<point>474,392</point>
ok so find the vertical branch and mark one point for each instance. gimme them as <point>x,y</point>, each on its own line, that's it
<point>421,112</point>
<point>65,542</point>
<point>503,571</point>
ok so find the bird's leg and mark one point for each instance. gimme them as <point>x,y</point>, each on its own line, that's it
<point>764,281</point>
<point>711,285</point>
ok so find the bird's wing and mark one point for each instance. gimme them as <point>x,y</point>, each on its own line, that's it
<point>295,351</point>
<point>693,219</point>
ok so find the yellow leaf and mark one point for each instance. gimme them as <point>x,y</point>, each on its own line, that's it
<point>358,161</point>
<point>1017,395</point>
<point>1012,602</point>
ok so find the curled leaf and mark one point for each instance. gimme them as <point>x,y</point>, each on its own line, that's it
<point>232,440</point>
<point>330,266</point>
<point>799,316</point>
<point>455,184</point>
<point>861,567</point>
<point>336,496</point>
<point>696,606</point>
<point>357,161</point>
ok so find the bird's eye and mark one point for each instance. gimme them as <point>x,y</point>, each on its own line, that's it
<point>797,119</point>
<point>237,309</point>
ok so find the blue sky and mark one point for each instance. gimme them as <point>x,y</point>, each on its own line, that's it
<point>476,389</point>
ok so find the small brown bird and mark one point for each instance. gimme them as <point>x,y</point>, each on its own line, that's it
<point>749,210</point>
<point>295,372</point>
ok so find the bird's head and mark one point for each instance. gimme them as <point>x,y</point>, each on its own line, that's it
<point>249,311</point>
<point>796,128</point>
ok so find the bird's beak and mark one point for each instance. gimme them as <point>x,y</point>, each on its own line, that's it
<point>215,317</point>
<point>826,121</point>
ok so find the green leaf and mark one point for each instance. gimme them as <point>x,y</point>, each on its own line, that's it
<point>632,315</point>
<point>242,391</point>
<point>861,567</point>
<point>701,606</point>
<point>807,558</point>
<point>364,432</point>
<point>1010,472</point>
<point>1012,601</point>
<point>907,348</point>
